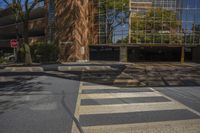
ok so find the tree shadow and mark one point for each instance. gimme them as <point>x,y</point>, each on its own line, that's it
<point>142,75</point>
<point>137,75</point>
<point>12,93</point>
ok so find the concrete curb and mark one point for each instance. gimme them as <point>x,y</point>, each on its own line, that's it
<point>61,68</point>
<point>24,69</point>
<point>85,68</point>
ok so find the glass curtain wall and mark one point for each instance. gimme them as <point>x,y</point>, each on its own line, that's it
<point>164,22</point>
<point>190,13</point>
<point>111,21</point>
<point>170,22</point>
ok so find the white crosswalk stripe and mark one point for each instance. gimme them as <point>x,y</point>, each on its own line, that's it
<point>181,126</point>
<point>96,87</point>
<point>96,92</point>
<point>118,95</point>
<point>135,107</point>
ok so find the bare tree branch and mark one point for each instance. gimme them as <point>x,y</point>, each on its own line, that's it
<point>34,4</point>
<point>26,4</point>
<point>6,1</point>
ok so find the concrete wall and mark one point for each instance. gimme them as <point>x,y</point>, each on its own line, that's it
<point>123,54</point>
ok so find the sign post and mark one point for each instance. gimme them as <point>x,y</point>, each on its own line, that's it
<point>14,44</point>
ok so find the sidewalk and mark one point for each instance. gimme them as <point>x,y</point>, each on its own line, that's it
<point>87,66</point>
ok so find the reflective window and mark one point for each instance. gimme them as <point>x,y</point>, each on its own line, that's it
<point>171,22</point>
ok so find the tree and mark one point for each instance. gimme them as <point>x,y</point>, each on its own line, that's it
<point>22,10</point>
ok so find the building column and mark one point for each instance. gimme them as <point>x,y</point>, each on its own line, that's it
<point>182,54</point>
<point>196,54</point>
<point>129,19</point>
<point>51,22</point>
<point>72,25</point>
<point>123,54</point>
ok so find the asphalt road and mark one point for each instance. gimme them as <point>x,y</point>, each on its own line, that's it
<point>189,96</point>
<point>147,99</point>
<point>104,108</point>
<point>144,99</point>
<point>37,103</point>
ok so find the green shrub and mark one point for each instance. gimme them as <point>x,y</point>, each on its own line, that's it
<point>44,53</point>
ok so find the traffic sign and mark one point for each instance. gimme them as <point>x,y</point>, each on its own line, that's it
<point>13,43</point>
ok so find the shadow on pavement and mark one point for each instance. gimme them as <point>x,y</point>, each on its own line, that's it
<point>125,75</point>
<point>122,76</point>
<point>12,92</point>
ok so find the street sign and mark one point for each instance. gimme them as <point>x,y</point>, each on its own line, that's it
<point>13,43</point>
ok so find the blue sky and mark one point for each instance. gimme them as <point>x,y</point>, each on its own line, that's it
<point>4,5</point>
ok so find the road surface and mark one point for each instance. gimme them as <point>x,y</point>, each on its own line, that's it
<point>37,103</point>
<point>142,98</point>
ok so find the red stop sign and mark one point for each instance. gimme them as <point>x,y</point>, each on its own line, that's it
<point>13,43</point>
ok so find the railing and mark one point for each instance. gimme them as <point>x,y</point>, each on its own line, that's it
<point>39,22</point>
<point>35,14</point>
<point>36,27</point>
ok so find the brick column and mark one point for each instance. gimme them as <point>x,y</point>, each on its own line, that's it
<point>72,26</point>
<point>123,54</point>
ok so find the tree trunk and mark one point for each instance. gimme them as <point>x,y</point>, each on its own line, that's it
<point>109,36</point>
<point>28,59</point>
<point>27,52</point>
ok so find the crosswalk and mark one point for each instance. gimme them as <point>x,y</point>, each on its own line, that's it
<point>107,109</point>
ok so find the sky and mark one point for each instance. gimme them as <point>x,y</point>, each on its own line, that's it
<point>2,4</point>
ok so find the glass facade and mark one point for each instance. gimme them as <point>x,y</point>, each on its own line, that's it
<point>170,22</point>
<point>113,20</point>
